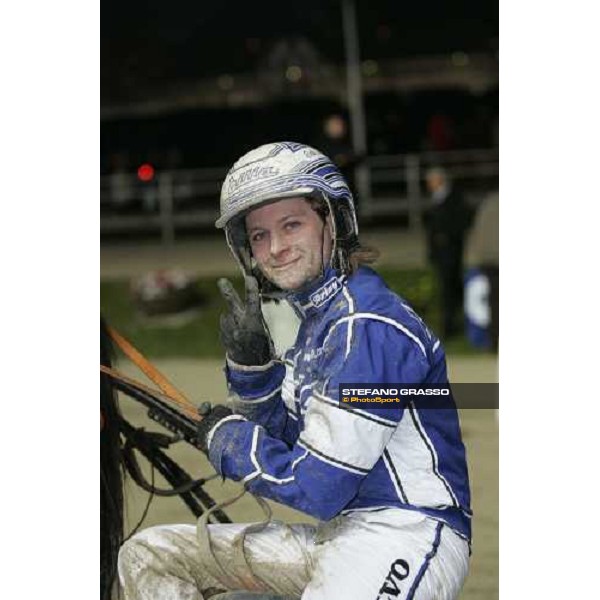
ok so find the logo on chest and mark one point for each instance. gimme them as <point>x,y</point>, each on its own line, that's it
<point>325,292</point>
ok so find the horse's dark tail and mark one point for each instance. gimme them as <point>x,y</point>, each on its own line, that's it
<point>111,474</point>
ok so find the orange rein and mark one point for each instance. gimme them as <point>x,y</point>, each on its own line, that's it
<point>168,391</point>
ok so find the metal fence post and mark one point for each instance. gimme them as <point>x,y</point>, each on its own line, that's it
<point>354,91</point>
<point>413,187</point>
<point>165,199</point>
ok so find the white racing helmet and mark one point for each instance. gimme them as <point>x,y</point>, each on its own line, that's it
<point>284,170</point>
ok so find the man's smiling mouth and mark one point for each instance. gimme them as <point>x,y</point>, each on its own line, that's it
<point>286,265</point>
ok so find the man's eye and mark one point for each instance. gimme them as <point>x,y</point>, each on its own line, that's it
<point>257,237</point>
<point>291,225</point>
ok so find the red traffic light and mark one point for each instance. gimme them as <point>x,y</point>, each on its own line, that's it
<point>145,172</point>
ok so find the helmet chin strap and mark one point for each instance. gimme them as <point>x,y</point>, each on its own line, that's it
<point>339,258</point>
<point>328,222</point>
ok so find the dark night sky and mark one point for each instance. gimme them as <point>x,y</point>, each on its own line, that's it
<point>181,19</point>
<point>151,45</point>
<point>153,40</point>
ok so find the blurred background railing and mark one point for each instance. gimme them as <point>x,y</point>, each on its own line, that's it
<point>171,201</point>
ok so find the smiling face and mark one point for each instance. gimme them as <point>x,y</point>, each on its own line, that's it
<point>289,242</point>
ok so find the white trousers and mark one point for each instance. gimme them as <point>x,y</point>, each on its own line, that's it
<point>389,554</point>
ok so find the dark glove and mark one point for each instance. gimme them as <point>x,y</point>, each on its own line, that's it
<point>243,331</point>
<point>211,415</point>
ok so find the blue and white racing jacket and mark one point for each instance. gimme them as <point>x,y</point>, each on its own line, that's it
<point>293,442</point>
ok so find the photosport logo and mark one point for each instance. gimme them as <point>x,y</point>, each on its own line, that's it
<point>423,396</point>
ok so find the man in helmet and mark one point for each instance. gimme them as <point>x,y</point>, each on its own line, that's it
<point>389,486</point>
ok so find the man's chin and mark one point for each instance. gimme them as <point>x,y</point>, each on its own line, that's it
<point>291,282</point>
<point>287,285</point>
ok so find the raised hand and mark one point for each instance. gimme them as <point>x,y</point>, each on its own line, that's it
<point>243,331</point>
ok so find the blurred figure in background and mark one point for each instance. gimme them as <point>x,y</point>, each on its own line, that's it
<point>482,253</point>
<point>334,142</point>
<point>446,221</point>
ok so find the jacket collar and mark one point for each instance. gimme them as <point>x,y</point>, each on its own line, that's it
<point>317,295</point>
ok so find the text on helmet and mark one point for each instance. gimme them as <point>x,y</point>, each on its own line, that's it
<point>251,174</point>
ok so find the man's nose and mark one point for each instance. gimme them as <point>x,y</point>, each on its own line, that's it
<point>279,244</point>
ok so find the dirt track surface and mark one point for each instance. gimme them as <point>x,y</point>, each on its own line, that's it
<point>204,380</point>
